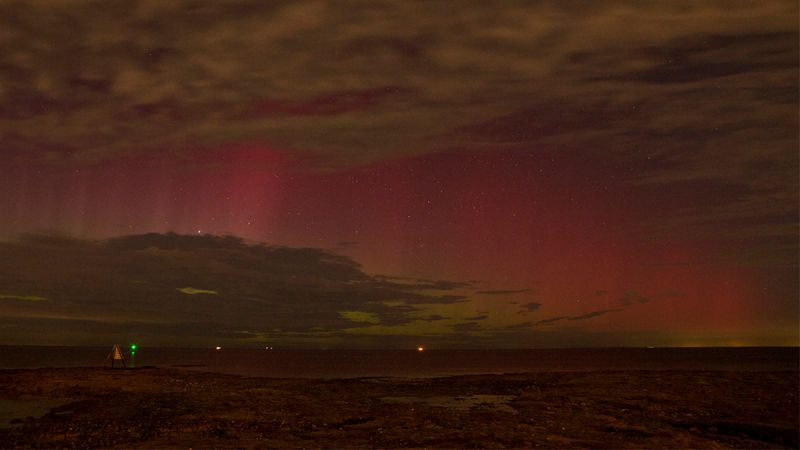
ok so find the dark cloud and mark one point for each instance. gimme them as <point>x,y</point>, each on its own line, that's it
<point>503,292</point>
<point>451,298</point>
<point>141,283</point>
<point>433,318</point>
<point>702,57</point>
<point>631,297</point>
<point>339,82</point>
<point>551,320</point>
<point>423,284</point>
<point>586,316</point>
<point>92,332</point>
<point>442,284</point>
<point>532,306</point>
<point>478,317</point>
<point>593,314</point>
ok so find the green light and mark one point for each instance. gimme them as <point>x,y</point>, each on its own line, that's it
<point>133,346</point>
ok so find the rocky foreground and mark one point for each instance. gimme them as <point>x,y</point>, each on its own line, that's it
<point>157,408</point>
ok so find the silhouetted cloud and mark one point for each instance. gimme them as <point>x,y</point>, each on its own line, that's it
<point>175,285</point>
<point>503,291</point>
<point>551,320</point>
<point>631,297</point>
<point>709,56</point>
<point>433,318</point>
<point>421,284</point>
<point>532,306</point>
<point>586,316</point>
<point>478,317</point>
<point>593,314</point>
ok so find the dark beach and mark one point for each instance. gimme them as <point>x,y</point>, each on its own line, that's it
<point>159,407</point>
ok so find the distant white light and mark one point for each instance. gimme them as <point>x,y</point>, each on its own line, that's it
<point>420,349</point>
<point>218,348</point>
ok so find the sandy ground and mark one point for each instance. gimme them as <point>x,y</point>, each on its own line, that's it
<point>147,408</point>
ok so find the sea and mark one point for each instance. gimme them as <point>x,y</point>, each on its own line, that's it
<point>285,363</point>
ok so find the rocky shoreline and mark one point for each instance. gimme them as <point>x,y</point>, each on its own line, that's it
<point>166,408</point>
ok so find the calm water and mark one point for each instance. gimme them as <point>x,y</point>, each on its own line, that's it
<point>404,363</point>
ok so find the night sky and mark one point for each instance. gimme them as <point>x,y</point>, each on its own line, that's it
<point>393,174</point>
